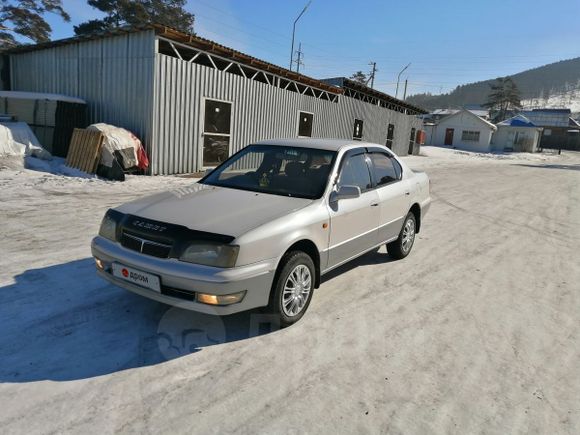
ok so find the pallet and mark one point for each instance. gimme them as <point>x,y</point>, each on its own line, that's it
<point>84,151</point>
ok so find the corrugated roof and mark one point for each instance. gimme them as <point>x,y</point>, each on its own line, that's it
<point>191,40</point>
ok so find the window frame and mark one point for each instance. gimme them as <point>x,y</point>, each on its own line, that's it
<point>476,133</point>
<point>300,112</point>
<point>390,140</point>
<point>361,129</point>
<point>392,159</point>
<point>367,151</point>
<point>201,151</point>
<point>352,153</point>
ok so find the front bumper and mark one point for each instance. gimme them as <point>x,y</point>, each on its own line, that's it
<point>256,279</point>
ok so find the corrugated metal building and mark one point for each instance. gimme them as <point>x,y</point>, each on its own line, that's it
<point>194,102</point>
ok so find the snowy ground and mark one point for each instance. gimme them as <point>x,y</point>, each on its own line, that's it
<point>477,331</point>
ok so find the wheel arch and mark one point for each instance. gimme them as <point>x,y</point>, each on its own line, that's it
<point>308,247</point>
<point>416,210</point>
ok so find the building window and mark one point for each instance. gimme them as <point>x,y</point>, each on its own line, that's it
<point>216,132</point>
<point>470,136</point>
<point>305,120</point>
<point>412,141</point>
<point>390,135</point>
<point>357,133</point>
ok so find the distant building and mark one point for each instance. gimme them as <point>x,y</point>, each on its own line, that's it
<point>438,114</point>
<point>516,134</point>
<point>560,130</point>
<point>462,129</point>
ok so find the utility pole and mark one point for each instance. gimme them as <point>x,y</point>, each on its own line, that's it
<point>405,93</point>
<point>399,78</point>
<point>372,75</point>
<point>299,58</point>
<point>294,32</point>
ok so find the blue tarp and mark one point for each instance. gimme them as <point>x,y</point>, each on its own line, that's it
<point>518,121</point>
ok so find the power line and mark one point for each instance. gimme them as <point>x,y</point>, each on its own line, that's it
<point>299,57</point>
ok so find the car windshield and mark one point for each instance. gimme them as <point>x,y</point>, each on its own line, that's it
<point>279,170</point>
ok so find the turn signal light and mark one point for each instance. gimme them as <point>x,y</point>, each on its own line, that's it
<point>208,299</point>
<point>99,263</point>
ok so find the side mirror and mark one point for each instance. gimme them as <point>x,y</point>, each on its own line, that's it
<point>345,192</point>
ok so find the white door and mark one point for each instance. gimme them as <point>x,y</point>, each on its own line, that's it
<point>393,195</point>
<point>354,221</point>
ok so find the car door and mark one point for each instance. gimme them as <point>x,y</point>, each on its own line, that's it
<point>393,194</point>
<point>353,221</point>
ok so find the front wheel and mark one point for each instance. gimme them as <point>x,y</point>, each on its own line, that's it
<point>401,247</point>
<point>292,291</point>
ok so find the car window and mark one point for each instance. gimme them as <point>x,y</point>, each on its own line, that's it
<point>398,168</point>
<point>278,170</point>
<point>385,169</point>
<point>355,172</point>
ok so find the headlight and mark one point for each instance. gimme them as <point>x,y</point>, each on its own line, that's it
<point>211,254</point>
<point>108,228</point>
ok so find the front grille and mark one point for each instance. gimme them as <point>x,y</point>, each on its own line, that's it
<point>178,293</point>
<point>147,247</point>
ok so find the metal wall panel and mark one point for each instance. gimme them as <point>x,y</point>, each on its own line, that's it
<point>114,75</point>
<point>259,111</point>
<point>161,99</point>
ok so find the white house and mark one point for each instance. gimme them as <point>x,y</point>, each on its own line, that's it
<point>517,134</point>
<point>464,130</point>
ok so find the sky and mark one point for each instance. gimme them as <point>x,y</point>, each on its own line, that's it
<point>447,42</point>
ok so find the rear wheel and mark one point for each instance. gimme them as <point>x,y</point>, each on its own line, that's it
<point>401,247</point>
<point>292,291</point>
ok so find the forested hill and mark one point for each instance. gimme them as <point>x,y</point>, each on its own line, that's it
<point>540,83</point>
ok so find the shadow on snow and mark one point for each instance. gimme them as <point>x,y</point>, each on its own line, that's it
<point>64,323</point>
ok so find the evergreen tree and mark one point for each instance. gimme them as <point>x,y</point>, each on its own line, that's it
<point>26,18</point>
<point>359,77</point>
<point>503,98</point>
<point>171,13</point>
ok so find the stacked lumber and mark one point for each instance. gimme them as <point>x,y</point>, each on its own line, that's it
<point>84,151</point>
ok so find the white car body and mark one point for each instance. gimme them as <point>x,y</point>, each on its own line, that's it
<point>264,226</point>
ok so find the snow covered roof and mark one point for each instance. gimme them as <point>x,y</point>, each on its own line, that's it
<point>518,121</point>
<point>445,112</point>
<point>479,118</point>
<point>40,96</point>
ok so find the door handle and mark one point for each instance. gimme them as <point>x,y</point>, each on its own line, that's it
<point>375,204</point>
<point>407,193</point>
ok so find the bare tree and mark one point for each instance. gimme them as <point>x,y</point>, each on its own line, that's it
<point>26,18</point>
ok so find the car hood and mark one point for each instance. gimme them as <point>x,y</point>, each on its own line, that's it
<point>214,209</point>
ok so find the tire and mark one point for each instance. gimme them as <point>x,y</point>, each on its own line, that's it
<point>401,247</point>
<point>290,305</point>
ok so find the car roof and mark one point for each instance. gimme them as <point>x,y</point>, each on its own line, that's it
<point>323,144</point>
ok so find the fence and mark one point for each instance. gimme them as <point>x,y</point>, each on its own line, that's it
<point>569,142</point>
